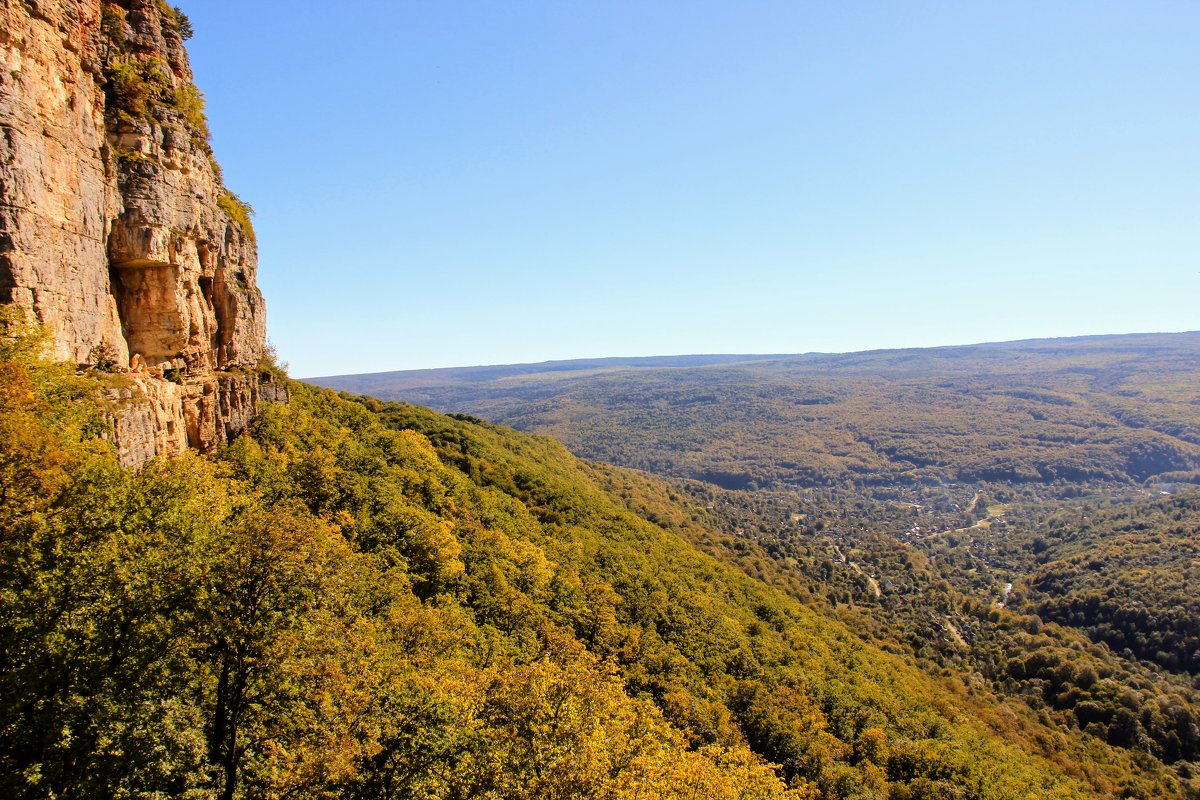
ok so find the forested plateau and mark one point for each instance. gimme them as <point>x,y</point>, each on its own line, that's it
<point>1104,408</point>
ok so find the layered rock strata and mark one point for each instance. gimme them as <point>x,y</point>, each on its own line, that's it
<point>116,230</point>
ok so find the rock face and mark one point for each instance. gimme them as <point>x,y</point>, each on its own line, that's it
<point>116,231</point>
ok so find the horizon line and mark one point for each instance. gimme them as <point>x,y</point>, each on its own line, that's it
<point>750,356</point>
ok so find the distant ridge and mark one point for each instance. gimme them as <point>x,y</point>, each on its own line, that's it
<point>442,376</point>
<point>389,384</point>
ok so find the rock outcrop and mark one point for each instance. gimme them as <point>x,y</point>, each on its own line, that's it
<point>116,230</point>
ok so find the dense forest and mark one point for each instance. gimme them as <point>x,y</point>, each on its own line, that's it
<point>944,605</point>
<point>1020,516</point>
<point>1127,576</point>
<point>366,599</point>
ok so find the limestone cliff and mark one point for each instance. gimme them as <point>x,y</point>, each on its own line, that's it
<point>116,230</point>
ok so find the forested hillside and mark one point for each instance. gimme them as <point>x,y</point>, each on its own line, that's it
<point>944,602</point>
<point>374,600</point>
<point>1108,408</point>
<point>1127,576</point>
<point>983,512</point>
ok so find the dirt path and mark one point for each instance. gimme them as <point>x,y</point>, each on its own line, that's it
<point>983,523</point>
<point>874,584</point>
<point>954,634</point>
<point>870,581</point>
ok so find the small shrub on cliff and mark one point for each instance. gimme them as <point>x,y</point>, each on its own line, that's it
<point>133,86</point>
<point>103,357</point>
<point>269,365</point>
<point>218,173</point>
<point>128,157</point>
<point>185,25</point>
<point>127,90</point>
<point>239,211</point>
<point>174,17</point>
<point>112,27</point>
<point>21,340</point>
<point>190,102</point>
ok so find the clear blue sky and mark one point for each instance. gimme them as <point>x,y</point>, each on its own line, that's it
<point>448,183</point>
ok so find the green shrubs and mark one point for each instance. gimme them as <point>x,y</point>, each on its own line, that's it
<point>134,87</point>
<point>112,27</point>
<point>139,89</point>
<point>126,88</point>
<point>239,211</point>
<point>128,157</point>
<point>183,24</point>
<point>269,365</point>
<point>189,101</point>
<point>174,18</point>
<point>103,358</point>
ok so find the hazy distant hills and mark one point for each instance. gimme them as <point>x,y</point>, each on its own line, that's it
<point>389,384</point>
<point>1088,408</point>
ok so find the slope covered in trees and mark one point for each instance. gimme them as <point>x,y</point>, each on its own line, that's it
<point>1126,576</point>
<point>978,509</point>
<point>369,600</point>
<point>943,603</point>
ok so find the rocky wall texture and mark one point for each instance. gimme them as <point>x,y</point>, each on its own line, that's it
<point>116,230</point>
